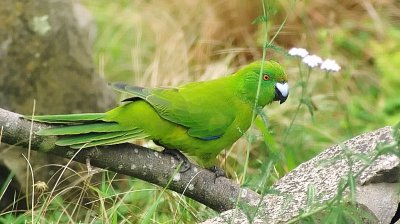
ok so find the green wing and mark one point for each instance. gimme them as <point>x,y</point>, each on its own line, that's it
<point>204,108</point>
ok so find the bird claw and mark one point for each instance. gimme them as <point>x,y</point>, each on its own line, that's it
<point>90,169</point>
<point>88,166</point>
<point>218,172</point>
<point>180,157</point>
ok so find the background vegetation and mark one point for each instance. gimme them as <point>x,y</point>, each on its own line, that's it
<point>153,43</point>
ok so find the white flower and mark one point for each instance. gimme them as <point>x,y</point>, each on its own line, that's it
<point>298,52</point>
<point>330,65</point>
<point>312,60</point>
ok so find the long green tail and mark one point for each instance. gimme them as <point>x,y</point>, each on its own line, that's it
<point>67,118</point>
<point>87,130</point>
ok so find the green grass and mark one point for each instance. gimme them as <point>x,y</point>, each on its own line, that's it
<point>152,43</point>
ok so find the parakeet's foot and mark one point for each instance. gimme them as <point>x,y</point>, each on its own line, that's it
<point>90,169</point>
<point>88,166</point>
<point>180,157</point>
<point>218,172</point>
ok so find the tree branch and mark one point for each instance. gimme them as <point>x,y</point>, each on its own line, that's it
<point>133,160</point>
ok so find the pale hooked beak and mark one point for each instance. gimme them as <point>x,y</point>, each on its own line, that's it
<point>281,92</point>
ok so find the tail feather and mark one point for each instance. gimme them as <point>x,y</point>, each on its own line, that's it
<point>87,130</point>
<point>90,137</point>
<point>67,118</point>
<point>113,140</point>
<point>82,129</point>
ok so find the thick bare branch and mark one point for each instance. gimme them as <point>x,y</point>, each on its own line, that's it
<point>136,161</point>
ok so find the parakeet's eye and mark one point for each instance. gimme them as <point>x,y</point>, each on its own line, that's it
<point>266,77</point>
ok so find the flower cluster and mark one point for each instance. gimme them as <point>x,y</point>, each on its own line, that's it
<point>314,60</point>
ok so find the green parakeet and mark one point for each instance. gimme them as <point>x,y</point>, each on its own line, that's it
<point>199,119</point>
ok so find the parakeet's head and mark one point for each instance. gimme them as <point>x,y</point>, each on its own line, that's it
<point>272,83</point>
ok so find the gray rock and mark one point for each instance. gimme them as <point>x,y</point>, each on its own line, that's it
<point>45,55</point>
<point>377,183</point>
